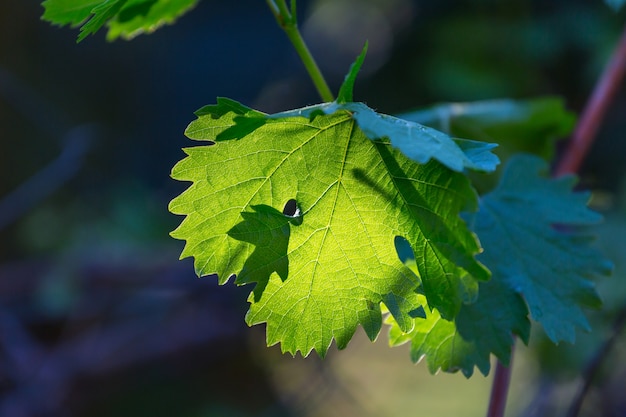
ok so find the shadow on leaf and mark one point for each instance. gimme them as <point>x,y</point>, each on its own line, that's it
<point>142,9</point>
<point>454,285</point>
<point>268,230</point>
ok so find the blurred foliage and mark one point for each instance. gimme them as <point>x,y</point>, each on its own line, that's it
<point>530,126</point>
<point>142,94</point>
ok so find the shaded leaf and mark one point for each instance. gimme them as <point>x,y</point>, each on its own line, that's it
<point>484,327</point>
<point>532,231</point>
<point>437,341</point>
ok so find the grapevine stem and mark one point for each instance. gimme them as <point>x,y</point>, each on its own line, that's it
<point>583,137</point>
<point>593,366</point>
<point>500,388</point>
<point>594,111</point>
<point>288,22</point>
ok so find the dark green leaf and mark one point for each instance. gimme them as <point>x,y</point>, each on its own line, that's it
<point>436,340</point>
<point>484,327</point>
<point>532,231</point>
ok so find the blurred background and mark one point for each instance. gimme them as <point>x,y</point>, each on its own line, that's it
<point>98,317</point>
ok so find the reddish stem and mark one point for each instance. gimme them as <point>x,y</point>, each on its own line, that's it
<point>593,366</point>
<point>500,388</point>
<point>594,111</point>
<point>582,138</point>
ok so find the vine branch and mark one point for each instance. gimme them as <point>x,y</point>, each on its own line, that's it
<point>500,387</point>
<point>579,146</point>
<point>594,112</point>
<point>593,366</point>
<point>287,20</point>
<point>570,162</point>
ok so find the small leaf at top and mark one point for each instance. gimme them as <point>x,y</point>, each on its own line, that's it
<point>146,16</point>
<point>101,15</point>
<point>124,18</point>
<point>347,88</point>
<point>69,12</point>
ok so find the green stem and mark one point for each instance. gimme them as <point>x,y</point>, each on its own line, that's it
<point>288,22</point>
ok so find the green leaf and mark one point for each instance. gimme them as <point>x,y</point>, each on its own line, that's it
<point>125,18</point>
<point>69,12</point>
<point>480,329</point>
<point>333,261</point>
<point>532,231</point>
<point>418,142</point>
<point>347,88</point>
<point>146,16</point>
<point>437,340</point>
<point>101,14</point>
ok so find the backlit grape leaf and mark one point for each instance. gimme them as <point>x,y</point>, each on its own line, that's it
<point>124,18</point>
<point>532,229</point>
<point>332,259</point>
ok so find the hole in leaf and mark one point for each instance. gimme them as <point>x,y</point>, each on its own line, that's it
<point>404,250</point>
<point>291,209</point>
<point>406,255</point>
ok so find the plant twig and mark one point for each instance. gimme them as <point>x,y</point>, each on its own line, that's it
<point>583,137</point>
<point>594,111</point>
<point>594,364</point>
<point>288,22</point>
<point>500,388</point>
<point>578,148</point>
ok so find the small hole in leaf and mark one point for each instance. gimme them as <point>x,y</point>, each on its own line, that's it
<point>403,248</point>
<point>291,209</point>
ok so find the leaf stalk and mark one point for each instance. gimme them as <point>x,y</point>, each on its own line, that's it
<point>594,112</point>
<point>287,20</point>
<point>500,388</point>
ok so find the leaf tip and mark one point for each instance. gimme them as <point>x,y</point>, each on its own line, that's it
<point>346,91</point>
